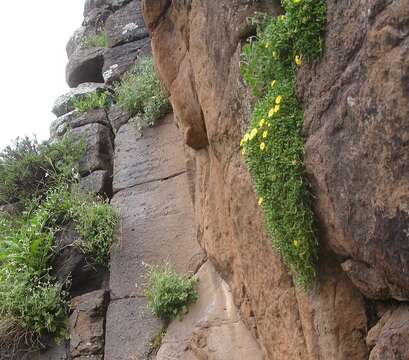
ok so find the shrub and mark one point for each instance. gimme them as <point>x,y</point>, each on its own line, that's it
<point>169,293</point>
<point>96,223</point>
<point>273,146</point>
<point>99,40</point>
<point>95,100</point>
<point>141,93</point>
<point>27,168</point>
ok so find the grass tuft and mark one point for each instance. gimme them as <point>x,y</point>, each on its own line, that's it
<point>169,293</point>
<point>99,40</point>
<point>140,93</point>
<point>95,100</point>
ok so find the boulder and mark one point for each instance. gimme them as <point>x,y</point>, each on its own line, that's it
<point>120,58</point>
<point>87,325</point>
<point>118,117</point>
<point>212,328</point>
<point>62,124</point>
<point>391,336</point>
<point>75,41</point>
<point>99,149</point>
<point>85,65</point>
<point>126,25</point>
<point>63,103</point>
<point>98,182</point>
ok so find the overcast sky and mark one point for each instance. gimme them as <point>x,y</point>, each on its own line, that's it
<point>33,35</point>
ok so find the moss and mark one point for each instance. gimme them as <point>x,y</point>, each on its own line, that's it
<point>273,146</point>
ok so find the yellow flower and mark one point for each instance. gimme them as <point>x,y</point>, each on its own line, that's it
<point>246,137</point>
<point>243,152</point>
<point>262,146</point>
<point>262,122</point>
<point>276,108</point>
<point>278,99</point>
<point>273,83</point>
<point>265,133</point>
<point>298,60</point>
<point>274,55</point>
<point>294,162</point>
<point>253,133</point>
<point>260,200</point>
<point>296,243</point>
<point>271,112</point>
<point>241,142</point>
<point>267,45</point>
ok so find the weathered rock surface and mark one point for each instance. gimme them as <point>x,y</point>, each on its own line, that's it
<point>212,329</point>
<point>126,25</point>
<point>119,59</point>
<point>197,50</point>
<point>118,117</point>
<point>63,103</point>
<point>98,182</point>
<point>356,110</point>
<point>130,329</point>
<point>85,65</point>
<point>87,325</point>
<point>156,154</point>
<point>391,336</point>
<point>99,148</point>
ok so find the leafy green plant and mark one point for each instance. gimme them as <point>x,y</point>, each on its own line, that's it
<point>140,93</point>
<point>95,100</point>
<point>96,222</point>
<point>169,293</point>
<point>98,40</point>
<point>273,146</point>
<point>27,168</point>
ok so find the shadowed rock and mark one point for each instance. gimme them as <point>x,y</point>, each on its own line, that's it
<point>85,65</point>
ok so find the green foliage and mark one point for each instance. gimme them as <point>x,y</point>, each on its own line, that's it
<point>273,146</point>
<point>140,93</point>
<point>99,40</point>
<point>95,100</point>
<point>169,293</point>
<point>27,168</point>
<point>96,222</point>
<point>32,302</point>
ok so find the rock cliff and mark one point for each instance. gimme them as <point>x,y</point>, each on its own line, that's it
<point>185,195</point>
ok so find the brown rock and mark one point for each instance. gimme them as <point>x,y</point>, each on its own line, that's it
<point>197,49</point>
<point>392,336</point>
<point>87,324</point>
<point>357,141</point>
<point>85,65</point>
<point>212,328</point>
<point>95,116</point>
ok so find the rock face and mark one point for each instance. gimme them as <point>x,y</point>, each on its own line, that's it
<point>356,106</point>
<point>197,50</point>
<point>210,332</point>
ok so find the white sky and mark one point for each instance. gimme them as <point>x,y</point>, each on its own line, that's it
<point>33,35</point>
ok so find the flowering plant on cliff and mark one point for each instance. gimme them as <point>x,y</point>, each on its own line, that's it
<point>273,147</point>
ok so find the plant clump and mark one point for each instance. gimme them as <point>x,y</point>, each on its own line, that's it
<point>98,40</point>
<point>32,302</point>
<point>140,93</point>
<point>273,147</point>
<point>169,293</point>
<point>91,101</point>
